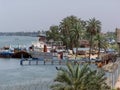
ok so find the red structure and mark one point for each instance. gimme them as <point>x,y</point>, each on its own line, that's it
<point>45,48</point>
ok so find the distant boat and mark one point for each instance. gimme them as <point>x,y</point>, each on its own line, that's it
<point>14,52</point>
<point>6,52</point>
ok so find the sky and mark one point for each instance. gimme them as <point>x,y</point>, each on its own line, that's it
<point>37,15</point>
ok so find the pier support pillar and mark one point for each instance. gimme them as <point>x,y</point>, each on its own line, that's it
<point>21,62</point>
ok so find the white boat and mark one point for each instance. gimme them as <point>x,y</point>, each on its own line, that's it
<point>38,49</point>
<point>40,46</point>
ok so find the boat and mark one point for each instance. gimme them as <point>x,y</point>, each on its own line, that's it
<point>42,48</point>
<point>21,54</point>
<point>38,48</point>
<point>6,52</point>
<point>14,52</point>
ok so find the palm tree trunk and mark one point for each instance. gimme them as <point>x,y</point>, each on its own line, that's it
<point>76,52</point>
<point>76,44</point>
<point>90,47</point>
<point>99,45</point>
<point>99,49</point>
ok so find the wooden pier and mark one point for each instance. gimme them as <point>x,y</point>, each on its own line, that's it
<point>50,61</point>
<point>37,62</point>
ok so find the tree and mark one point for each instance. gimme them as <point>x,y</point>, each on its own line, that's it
<point>76,77</point>
<point>76,32</point>
<point>93,27</point>
<point>65,27</point>
<point>53,33</point>
<point>99,42</point>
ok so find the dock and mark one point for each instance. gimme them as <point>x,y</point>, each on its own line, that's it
<point>43,61</point>
<point>38,62</point>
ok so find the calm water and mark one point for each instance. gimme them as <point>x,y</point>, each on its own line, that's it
<point>13,76</point>
<point>16,40</point>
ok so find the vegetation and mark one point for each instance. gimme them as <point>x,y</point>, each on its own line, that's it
<point>53,33</point>
<point>93,28</point>
<point>76,77</point>
<point>67,30</point>
<point>72,29</point>
<point>77,33</point>
<point>68,24</point>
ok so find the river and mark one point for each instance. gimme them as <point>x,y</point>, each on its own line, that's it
<point>13,76</point>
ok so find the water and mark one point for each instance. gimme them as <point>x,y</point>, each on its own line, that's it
<point>13,76</point>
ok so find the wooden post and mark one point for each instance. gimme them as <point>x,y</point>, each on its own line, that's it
<point>36,62</point>
<point>52,62</point>
<point>29,62</point>
<point>44,62</point>
<point>59,62</point>
<point>21,62</point>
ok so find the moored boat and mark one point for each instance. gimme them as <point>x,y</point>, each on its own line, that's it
<point>6,52</point>
<point>21,54</point>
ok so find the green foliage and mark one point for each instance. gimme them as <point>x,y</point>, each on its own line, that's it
<point>71,29</point>
<point>63,31</point>
<point>68,24</point>
<point>76,77</point>
<point>53,33</point>
<point>93,28</point>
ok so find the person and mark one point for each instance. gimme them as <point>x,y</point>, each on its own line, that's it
<point>61,55</point>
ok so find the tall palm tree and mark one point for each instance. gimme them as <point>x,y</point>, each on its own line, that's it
<point>76,32</point>
<point>76,77</point>
<point>93,27</point>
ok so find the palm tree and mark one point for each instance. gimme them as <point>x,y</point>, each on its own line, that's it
<point>93,27</point>
<point>76,32</point>
<point>65,26</point>
<point>100,43</point>
<point>76,77</point>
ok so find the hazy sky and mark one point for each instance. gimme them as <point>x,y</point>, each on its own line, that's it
<point>34,15</point>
